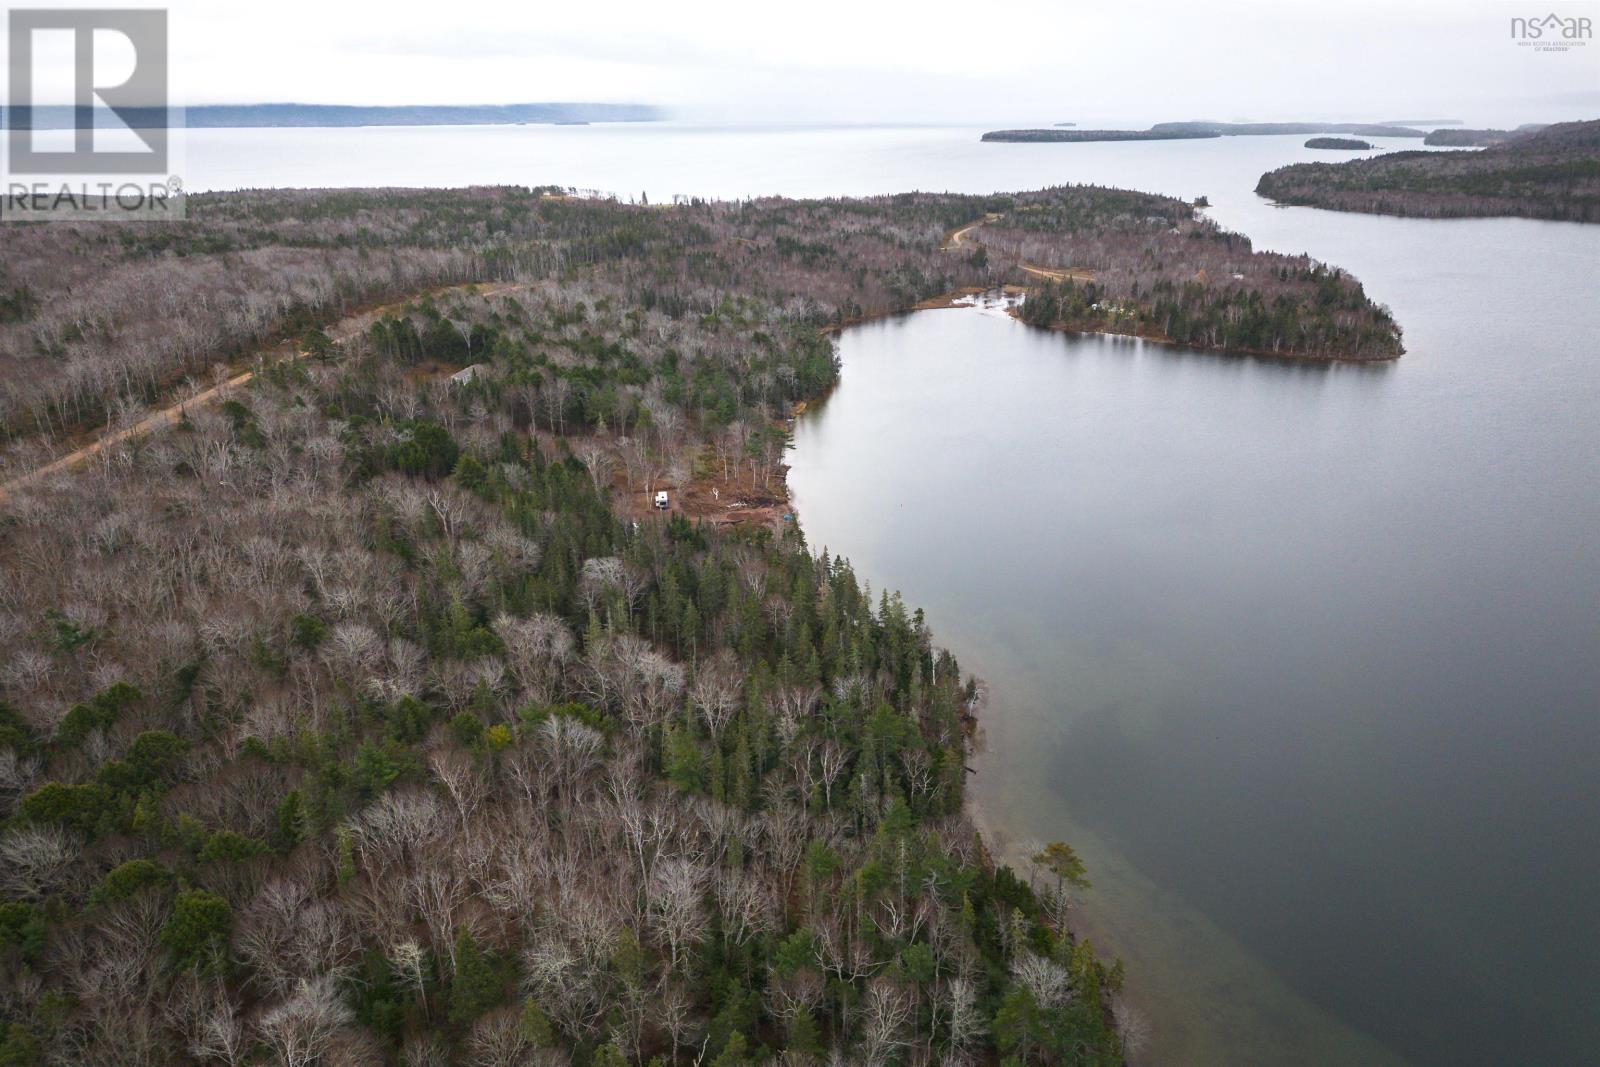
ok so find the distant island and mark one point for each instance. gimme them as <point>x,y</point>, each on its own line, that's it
<point>1074,136</point>
<point>1553,173</point>
<point>1065,124</point>
<point>1349,144</point>
<point>1183,131</point>
<point>1477,138</point>
<point>254,115</point>
<point>1422,122</point>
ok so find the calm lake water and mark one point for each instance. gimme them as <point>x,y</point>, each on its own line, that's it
<point>1304,660</point>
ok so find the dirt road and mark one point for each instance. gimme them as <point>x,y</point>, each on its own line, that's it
<point>1076,274</point>
<point>956,239</point>
<point>962,236</point>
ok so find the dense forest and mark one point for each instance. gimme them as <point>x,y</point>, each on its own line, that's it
<point>149,307</point>
<point>370,714</point>
<point>1550,173</point>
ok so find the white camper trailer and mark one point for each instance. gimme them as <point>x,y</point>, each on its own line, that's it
<point>661,499</point>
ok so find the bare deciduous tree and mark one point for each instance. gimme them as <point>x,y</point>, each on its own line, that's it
<point>33,859</point>
<point>302,1028</point>
<point>677,910</point>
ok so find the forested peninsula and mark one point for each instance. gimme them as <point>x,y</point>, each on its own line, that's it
<point>151,306</point>
<point>360,708</point>
<point>1550,173</point>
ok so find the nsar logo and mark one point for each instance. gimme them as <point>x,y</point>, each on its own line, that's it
<point>1552,33</point>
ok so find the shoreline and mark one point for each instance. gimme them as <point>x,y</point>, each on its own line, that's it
<point>1213,350</point>
<point>997,846</point>
<point>956,298</point>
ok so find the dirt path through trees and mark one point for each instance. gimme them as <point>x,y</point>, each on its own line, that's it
<point>339,333</point>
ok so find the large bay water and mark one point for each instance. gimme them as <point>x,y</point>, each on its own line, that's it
<point>1304,659</point>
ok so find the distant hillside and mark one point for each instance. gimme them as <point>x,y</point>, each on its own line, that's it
<point>1267,129</point>
<point>1035,136</point>
<point>1181,131</point>
<point>216,115</point>
<point>1477,138</point>
<point>1553,173</point>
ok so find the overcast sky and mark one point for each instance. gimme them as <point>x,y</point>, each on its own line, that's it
<point>935,61</point>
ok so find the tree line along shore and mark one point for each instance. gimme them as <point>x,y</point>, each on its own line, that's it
<point>371,713</point>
